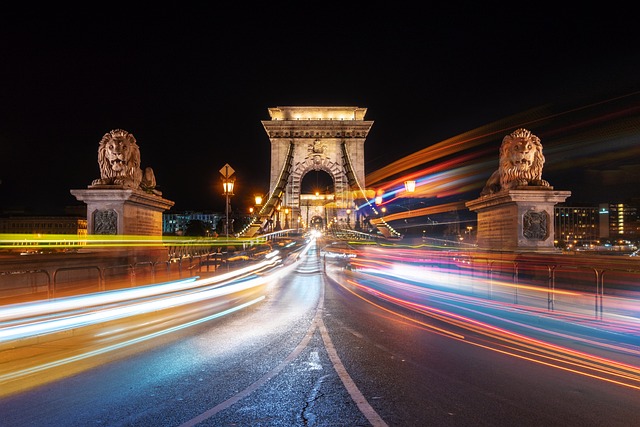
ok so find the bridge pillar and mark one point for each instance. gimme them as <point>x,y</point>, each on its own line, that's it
<point>305,139</point>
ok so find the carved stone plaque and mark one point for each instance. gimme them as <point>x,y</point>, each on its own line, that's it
<point>535,225</point>
<point>105,222</point>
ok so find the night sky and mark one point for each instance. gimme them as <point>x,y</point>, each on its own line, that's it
<point>193,86</point>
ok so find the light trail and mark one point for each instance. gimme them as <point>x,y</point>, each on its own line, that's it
<point>446,290</point>
<point>625,114</point>
<point>102,350</point>
<point>69,338</point>
<point>18,312</point>
<point>587,136</point>
<point>70,322</point>
<point>26,320</point>
<point>511,343</point>
<point>69,241</point>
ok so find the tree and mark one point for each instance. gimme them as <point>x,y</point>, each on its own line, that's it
<point>196,227</point>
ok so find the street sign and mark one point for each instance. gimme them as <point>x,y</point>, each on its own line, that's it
<point>227,171</point>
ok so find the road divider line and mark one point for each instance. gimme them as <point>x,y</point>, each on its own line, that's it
<point>364,406</point>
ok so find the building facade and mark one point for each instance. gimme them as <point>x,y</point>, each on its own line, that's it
<point>619,221</point>
<point>613,223</point>
<point>576,225</point>
<point>43,225</point>
<point>177,223</point>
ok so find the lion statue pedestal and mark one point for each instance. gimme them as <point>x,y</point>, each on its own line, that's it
<point>516,206</point>
<point>121,211</point>
<point>124,200</point>
<point>520,220</point>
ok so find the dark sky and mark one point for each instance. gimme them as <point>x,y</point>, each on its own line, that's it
<point>193,86</point>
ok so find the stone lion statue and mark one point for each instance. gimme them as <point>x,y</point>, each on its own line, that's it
<point>119,163</point>
<point>520,163</point>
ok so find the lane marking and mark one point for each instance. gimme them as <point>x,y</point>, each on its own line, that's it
<point>314,361</point>
<point>351,387</point>
<point>317,323</point>
<point>256,385</point>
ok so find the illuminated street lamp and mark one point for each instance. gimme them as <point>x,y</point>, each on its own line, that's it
<point>410,186</point>
<point>378,198</point>
<point>258,206</point>
<point>227,186</point>
<point>278,225</point>
<point>286,218</point>
<point>348,218</point>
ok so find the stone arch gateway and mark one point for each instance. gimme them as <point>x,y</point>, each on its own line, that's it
<point>305,139</point>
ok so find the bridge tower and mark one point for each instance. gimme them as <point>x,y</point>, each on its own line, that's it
<point>305,139</point>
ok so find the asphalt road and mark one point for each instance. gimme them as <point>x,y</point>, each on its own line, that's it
<point>319,352</point>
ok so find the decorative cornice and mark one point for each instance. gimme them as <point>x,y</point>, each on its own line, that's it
<point>118,194</point>
<point>531,195</point>
<point>317,128</point>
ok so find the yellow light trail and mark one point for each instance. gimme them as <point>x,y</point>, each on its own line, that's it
<point>69,241</point>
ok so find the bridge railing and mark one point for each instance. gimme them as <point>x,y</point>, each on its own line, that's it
<point>602,284</point>
<point>44,267</point>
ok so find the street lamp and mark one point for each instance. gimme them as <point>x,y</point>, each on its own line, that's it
<point>227,186</point>
<point>410,186</point>
<point>286,218</point>
<point>278,226</point>
<point>258,208</point>
<point>348,218</point>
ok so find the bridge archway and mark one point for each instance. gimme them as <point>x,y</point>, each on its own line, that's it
<point>316,181</point>
<point>313,139</point>
<point>316,222</point>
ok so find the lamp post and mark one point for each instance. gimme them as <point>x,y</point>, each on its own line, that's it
<point>258,209</point>
<point>278,225</point>
<point>286,218</point>
<point>348,218</point>
<point>410,186</point>
<point>227,186</point>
